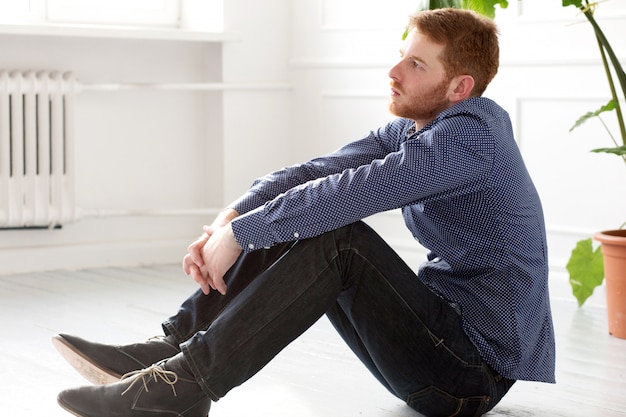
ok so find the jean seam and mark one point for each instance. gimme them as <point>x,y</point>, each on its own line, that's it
<point>169,328</point>
<point>194,368</point>
<point>437,341</point>
<point>277,313</point>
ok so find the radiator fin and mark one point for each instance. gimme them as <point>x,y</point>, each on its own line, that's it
<point>36,149</point>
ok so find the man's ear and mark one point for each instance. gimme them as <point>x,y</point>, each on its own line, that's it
<point>461,88</point>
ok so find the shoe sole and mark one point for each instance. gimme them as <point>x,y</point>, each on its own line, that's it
<point>88,369</point>
<point>68,409</point>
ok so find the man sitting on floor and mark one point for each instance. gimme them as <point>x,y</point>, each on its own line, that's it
<point>449,340</point>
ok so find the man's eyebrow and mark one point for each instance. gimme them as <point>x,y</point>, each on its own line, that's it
<point>413,58</point>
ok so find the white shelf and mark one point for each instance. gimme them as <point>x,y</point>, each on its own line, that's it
<point>115,32</point>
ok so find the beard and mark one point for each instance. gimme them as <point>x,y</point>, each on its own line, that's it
<point>423,106</point>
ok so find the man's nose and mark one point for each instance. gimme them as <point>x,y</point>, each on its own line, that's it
<point>394,72</point>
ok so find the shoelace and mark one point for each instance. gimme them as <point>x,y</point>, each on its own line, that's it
<point>155,371</point>
<point>155,338</point>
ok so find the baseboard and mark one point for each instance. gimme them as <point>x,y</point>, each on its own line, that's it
<point>99,242</point>
<point>93,255</point>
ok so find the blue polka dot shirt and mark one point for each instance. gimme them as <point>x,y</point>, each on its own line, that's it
<point>465,195</point>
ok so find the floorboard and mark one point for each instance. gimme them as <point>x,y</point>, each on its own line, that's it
<point>315,376</point>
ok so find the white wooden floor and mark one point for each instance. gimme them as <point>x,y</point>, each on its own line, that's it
<point>316,376</point>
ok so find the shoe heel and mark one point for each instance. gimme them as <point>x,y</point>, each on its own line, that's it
<point>83,366</point>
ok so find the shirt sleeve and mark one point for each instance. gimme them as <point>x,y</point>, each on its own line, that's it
<point>361,152</point>
<point>370,183</point>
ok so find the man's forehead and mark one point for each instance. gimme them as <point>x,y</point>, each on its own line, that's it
<point>421,48</point>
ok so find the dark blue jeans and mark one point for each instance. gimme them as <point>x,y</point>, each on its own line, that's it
<point>408,337</point>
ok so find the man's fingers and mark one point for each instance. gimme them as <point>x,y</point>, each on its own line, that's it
<point>199,279</point>
<point>195,249</point>
<point>219,285</point>
<point>196,256</point>
<point>202,278</point>
<point>187,262</point>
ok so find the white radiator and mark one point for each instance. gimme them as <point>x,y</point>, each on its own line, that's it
<point>36,149</point>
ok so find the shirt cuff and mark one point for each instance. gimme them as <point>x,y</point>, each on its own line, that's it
<point>252,232</point>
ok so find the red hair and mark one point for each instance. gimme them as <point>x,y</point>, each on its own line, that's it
<point>470,43</point>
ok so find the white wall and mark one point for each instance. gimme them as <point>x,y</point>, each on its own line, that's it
<point>326,62</point>
<point>257,124</point>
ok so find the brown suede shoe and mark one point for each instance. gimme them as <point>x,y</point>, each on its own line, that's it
<point>105,364</point>
<point>166,389</point>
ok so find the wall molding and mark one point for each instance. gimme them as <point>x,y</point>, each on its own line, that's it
<point>228,86</point>
<point>354,94</point>
<point>316,63</point>
<point>78,256</point>
<point>103,238</point>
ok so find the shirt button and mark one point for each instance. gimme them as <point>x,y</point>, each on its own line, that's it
<point>296,235</point>
<point>250,245</point>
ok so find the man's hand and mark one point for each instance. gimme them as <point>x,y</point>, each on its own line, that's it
<point>219,253</point>
<point>213,253</point>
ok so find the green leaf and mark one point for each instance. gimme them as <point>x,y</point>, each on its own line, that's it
<point>485,7</point>
<point>610,106</point>
<point>577,3</point>
<point>440,4</point>
<point>586,270</point>
<point>620,150</point>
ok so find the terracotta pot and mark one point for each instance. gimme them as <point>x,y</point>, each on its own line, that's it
<point>614,252</point>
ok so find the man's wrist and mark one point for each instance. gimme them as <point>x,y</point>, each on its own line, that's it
<point>231,236</point>
<point>229,213</point>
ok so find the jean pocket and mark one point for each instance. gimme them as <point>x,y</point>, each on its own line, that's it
<point>433,402</point>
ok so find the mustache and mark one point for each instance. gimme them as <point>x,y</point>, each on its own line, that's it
<point>395,86</point>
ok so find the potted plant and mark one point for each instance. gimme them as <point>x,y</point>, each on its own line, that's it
<point>589,267</point>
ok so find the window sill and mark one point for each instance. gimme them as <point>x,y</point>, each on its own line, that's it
<point>115,32</point>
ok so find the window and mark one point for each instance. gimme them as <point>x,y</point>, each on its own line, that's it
<point>124,12</point>
<point>204,15</point>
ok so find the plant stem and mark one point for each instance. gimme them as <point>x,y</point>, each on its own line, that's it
<point>618,109</point>
<point>604,45</point>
